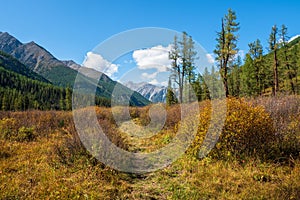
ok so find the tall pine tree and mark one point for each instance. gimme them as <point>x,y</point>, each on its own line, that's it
<point>170,97</point>
<point>273,45</point>
<point>287,59</point>
<point>226,48</point>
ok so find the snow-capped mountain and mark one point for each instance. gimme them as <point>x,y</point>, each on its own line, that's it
<point>293,38</point>
<point>151,92</point>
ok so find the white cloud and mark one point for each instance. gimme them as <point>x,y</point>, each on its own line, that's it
<point>210,58</point>
<point>154,82</point>
<point>97,62</point>
<point>164,83</point>
<point>150,76</point>
<point>153,58</point>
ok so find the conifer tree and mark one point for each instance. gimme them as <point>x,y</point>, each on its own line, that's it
<point>174,56</point>
<point>5,104</point>
<point>295,65</point>
<point>286,58</point>
<point>197,87</point>
<point>235,78</point>
<point>256,53</point>
<point>170,97</point>
<point>61,101</point>
<point>273,45</point>
<point>182,56</point>
<point>226,48</point>
<point>68,100</point>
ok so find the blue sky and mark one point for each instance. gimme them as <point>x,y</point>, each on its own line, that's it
<point>69,29</point>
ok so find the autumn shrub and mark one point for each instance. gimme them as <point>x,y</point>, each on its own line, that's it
<point>8,128</point>
<point>27,125</point>
<point>10,131</point>
<point>44,122</point>
<point>135,112</point>
<point>282,109</point>
<point>285,113</point>
<point>70,151</point>
<point>105,114</point>
<point>287,145</point>
<point>247,131</point>
<point>25,134</point>
<point>173,116</point>
<point>142,114</point>
<point>113,134</point>
<point>123,114</point>
<point>120,114</point>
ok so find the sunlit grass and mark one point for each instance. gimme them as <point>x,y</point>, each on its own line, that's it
<point>54,165</point>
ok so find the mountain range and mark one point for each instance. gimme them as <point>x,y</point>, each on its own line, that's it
<point>153,93</point>
<point>35,62</point>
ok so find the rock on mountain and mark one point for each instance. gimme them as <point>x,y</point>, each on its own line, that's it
<point>10,63</point>
<point>8,43</point>
<point>153,93</point>
<point>31,54</point>
<point>71,64</point>
<point>38,59</point>
<point>35,57</point>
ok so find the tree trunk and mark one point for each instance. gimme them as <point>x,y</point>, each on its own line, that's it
<point>276,84</point>
<point>257,80</point>
<point>180,89</point>
<point>226,82</point>
<point>289,72</point>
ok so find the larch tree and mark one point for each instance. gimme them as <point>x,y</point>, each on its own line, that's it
<point>190,70</point>
<point>68,100</point>
<point>170,97</point>
<point>247,79</point>
<point>256,53</point>
<point>273,45</point>
<point>295,65</point>
<point>235,78</point>
<point>198,87</point>
<point>182,56</point>
<point>176,68</point>
<point>286,57</point>
<point>226,47</point>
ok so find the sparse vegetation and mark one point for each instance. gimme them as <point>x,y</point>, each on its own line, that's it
<point>257,156</point>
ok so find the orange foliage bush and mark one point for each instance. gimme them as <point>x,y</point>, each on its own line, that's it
<point>248,131</point>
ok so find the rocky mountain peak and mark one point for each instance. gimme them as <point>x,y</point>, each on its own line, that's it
<point>151,92</point>
<point>71,64</point>
<point>8,43</point>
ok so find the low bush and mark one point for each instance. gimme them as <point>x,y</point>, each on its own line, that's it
<point>247,131</point>
<point>285,113</point>
<point>25,134</point>
<point>10,131</point>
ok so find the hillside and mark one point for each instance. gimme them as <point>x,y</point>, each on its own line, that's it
<point>293,52</point>
<point>255,77</point>
<point>88,81</point>
<point>294,40</point>
<point>60,73</point>
<point>19,92</point>
<point>38,59</point>
<point>10,63</point>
